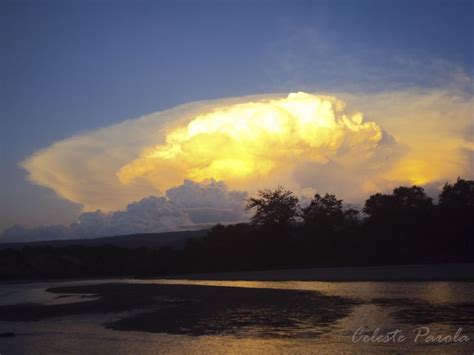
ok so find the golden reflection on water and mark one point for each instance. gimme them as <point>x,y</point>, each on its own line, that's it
<point>435,292</point>
<point>85,333</point>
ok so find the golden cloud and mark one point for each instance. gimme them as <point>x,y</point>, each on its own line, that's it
<point>307,142</point>
<point>252,140</point>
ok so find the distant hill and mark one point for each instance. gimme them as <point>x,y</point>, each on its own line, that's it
<point>132,241</point>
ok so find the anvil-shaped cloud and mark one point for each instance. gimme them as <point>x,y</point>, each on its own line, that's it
<point>307,142</point>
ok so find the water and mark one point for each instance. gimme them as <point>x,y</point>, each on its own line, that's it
<point>250,317</point>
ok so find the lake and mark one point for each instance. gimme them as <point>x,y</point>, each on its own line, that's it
<point>208,316</point>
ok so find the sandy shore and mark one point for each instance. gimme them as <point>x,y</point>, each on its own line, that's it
<point>426,272</point>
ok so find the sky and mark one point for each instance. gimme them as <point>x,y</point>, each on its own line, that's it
<point>69,68</point>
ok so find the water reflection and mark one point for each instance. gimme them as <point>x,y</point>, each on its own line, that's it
<point>415,311</point>
<point>432,292</point>
<point>146,316</point>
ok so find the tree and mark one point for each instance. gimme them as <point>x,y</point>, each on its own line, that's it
<point>410,198</point>
<point>324,211</point>
<point>457,196</point>
<point>273,208</point>
<point>403,201</point>
<point>456,208</point>
<point>379,205</point>
<point>351,217</point>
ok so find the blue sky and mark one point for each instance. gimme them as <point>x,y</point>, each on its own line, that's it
<point>68,67</point>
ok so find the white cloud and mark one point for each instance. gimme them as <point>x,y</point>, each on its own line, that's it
<point>185,207</point>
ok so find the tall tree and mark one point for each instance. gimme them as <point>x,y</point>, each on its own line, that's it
<point>324,212</point>
<point>457,196</point>
<point>412,198</point>
<point>273,208</point>
<point>379,205</point>
<point>403,201</point>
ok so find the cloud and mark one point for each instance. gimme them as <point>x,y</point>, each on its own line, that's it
<point>188,206</point>
<point>83,168</point>
<point>247,143</point>
<point>307,142</point>
<point>435,125</point>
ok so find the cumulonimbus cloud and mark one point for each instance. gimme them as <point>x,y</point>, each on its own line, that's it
<point>307,142</point>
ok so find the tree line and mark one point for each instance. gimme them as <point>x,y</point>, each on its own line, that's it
<point>401,227</point>
<point>405,226</point>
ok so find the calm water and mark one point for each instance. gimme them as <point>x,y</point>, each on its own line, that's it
<point>443,307</point>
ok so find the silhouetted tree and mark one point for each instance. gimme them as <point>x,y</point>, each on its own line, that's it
<point>404,200</point>
<point>455,219</point>
<point>459,195</point>
<point>379,205</point>
<point>409,198</point>
<point>325,212</point>
<point>351,217</point>
<point>273,208</point>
